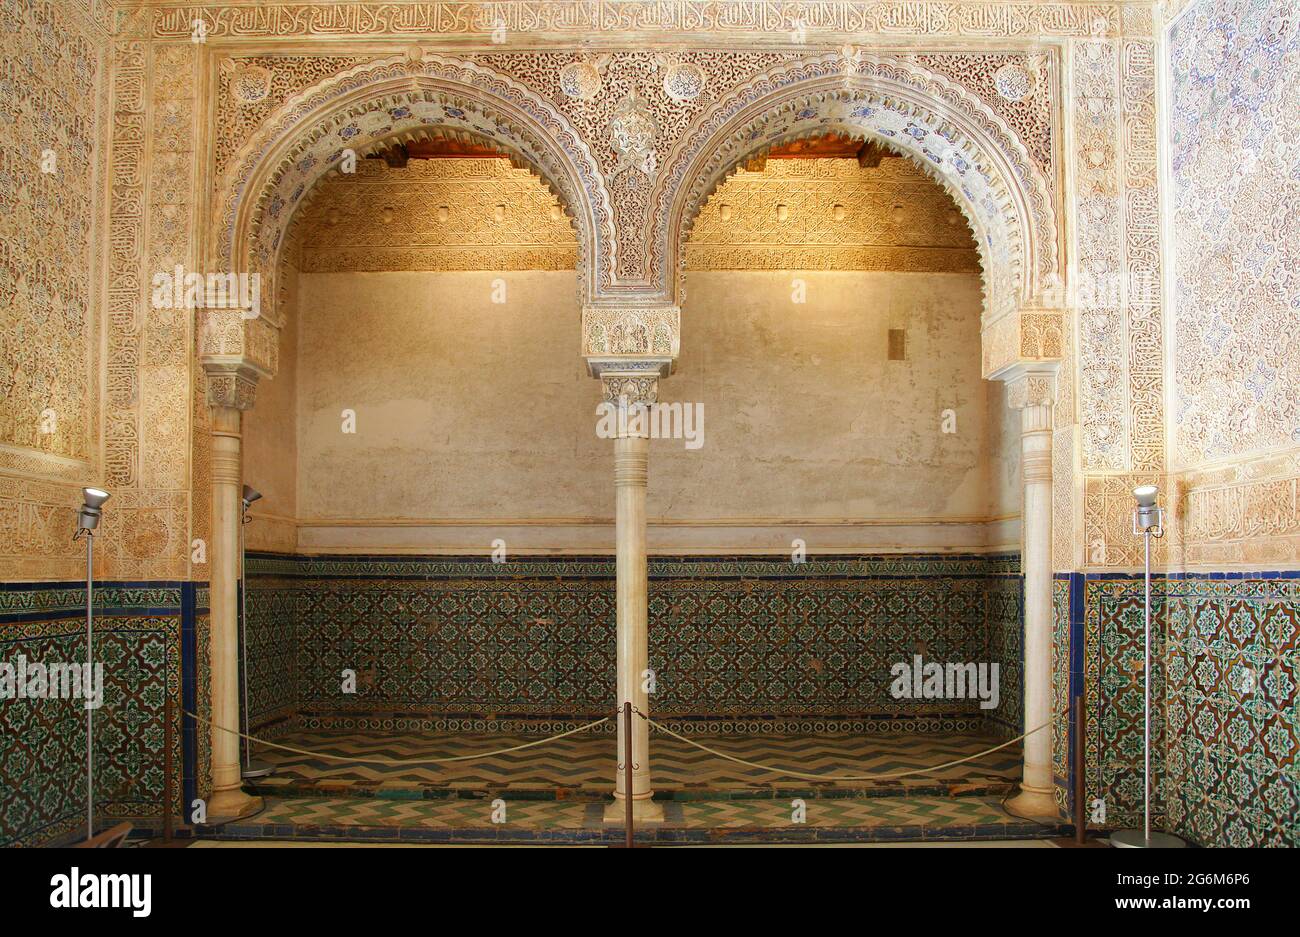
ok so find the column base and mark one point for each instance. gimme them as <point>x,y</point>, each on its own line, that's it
<point>1035,802</point>
<point>232,804</point>
<point>644,810</point>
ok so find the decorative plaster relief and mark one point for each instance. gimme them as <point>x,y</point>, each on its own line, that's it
<point>50,107</point>
<point>618,387</point>
<point>681,19</point>
<point>1235,89</point>
<point>581,80</point>
<point>319,128</point>
<point>1027,335</point>
<point>653,331</point>
<point>1245,514</point>
<point>944,128</point>
<point>842,217</point>
<point>435,214</point>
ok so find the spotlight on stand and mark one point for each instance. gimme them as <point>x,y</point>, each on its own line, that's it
<point>1147,515</point>
<point>1149,521</point>
<point>253,768</point>
<point>92,503</point>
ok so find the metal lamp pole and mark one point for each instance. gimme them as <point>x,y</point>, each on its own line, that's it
<point>1148,520</point>
<point>252,769</point>
<point>87,520</point>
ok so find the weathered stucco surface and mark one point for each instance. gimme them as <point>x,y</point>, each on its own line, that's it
<point>470,409</point>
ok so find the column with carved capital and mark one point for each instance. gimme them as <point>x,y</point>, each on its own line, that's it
<point>1031,389</point>
<point>631,392</point>
<point>230,392</point>
<point>629,346</point>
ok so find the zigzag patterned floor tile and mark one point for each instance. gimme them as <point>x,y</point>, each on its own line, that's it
<point>582,766</point>
<point>741,820</point>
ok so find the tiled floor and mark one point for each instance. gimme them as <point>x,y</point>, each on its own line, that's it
<point>872,819</point>
<point>302,844</point>
<point>580,767</point>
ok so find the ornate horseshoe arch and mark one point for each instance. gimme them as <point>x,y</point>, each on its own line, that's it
<point>957,138</point>
<point>404,97</point>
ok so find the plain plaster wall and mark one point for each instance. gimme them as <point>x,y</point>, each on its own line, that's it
<point>471,409</point>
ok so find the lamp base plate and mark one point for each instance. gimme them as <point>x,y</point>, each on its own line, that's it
<point>1133,839</point>
<point>257,769</point>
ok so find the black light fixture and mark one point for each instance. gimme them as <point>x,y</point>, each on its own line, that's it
<point>252,768</point>
<point>92,503</point>
<point>1149,521</point>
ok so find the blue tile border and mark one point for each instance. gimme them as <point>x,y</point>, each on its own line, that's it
<point>848,566</point>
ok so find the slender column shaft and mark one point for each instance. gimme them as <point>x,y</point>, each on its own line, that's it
<point>630,472</point>
<point>228,799</point>
<point>1036,797</point>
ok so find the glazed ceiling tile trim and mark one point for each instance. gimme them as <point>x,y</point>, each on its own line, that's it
<point>436,214</point>
<point>578,19</point>
<point>832,214</point>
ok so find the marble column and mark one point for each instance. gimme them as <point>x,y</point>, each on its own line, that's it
<point>229,394</point>
<point>632,395</point>
<point>1031,390</point>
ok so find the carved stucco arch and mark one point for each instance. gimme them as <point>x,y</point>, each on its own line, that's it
<point>958,139</point>
<point>402,97</point>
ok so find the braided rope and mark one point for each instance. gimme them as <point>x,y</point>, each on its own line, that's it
<point>823,777</point>
<point>398,762</point>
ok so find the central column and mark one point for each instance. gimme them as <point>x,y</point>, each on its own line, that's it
<point>1032,392</point>
<point>632,396</point>
<point>629,346</point>
<point>229,394</point>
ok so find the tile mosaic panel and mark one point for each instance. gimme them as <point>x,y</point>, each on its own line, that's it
<point>1226,718</point>
<point>1005,634</point>
<point>731,639</point>
<point>272,656</point>
<point>43,742</point>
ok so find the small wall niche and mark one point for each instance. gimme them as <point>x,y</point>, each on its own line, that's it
<point>897,344</point>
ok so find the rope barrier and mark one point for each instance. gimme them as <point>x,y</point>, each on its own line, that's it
<point>823,777</point>
<point>401,762</point>
<point>398,762</point>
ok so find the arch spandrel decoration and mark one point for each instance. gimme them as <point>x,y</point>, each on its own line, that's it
<point>972,152</point>
<point>402,97</point>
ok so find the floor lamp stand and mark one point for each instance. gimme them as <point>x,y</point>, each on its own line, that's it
<point>89,536</point>
<point>88,516</point>
<point>253,768</point>
<point>1148,520</point>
